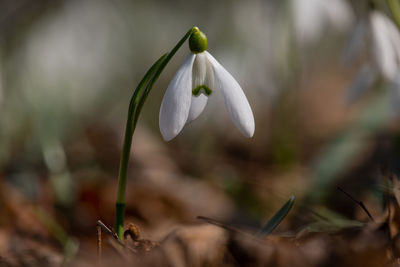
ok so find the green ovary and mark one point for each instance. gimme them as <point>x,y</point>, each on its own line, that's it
<point>207,91</point>
<point>198,41</point>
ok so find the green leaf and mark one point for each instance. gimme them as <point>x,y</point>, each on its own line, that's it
<point>276,219</point>
<point>161,65</point>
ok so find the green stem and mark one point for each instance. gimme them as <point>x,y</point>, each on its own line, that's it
<point>129,129</point>
<point>123,169</point>
<point>135,106</point>
<point>394,6</point>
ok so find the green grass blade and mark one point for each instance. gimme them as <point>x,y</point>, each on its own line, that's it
<point>276,219</point>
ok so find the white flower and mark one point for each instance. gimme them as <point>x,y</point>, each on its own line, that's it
<point>188,92</point>
<point>384,52</point>
<point>386,45</point>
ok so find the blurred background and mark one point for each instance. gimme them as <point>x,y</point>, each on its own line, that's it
<point>69,68</point>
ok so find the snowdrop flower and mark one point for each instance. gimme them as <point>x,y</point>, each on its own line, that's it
<point>193,84</point>
<point>384,52</point>
<point>385,45</point>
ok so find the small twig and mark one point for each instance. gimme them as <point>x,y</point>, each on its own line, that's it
<point>115,242</point>
<point>110,232</point>
<point>360,203</point>
<point>98,245</point>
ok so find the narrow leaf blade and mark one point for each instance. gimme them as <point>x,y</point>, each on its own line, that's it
<point>276,219</point>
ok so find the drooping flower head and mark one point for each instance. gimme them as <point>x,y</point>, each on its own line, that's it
<point>195,81</point>
<point>383,66</point>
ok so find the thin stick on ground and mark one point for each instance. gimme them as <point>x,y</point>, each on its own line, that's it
<point>360,203</point>
<point>110,232</point>
<point>115,242</point>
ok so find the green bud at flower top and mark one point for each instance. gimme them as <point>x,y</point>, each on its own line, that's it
<point>198,41</point>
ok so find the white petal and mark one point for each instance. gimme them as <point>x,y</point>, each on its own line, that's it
<point>385,37</point>
<point>175,105</point>
<point>197,106</point>
<point>235,100</point>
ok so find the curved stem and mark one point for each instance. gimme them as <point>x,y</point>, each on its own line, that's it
<point>126,149</point>
<point>135,107</point>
